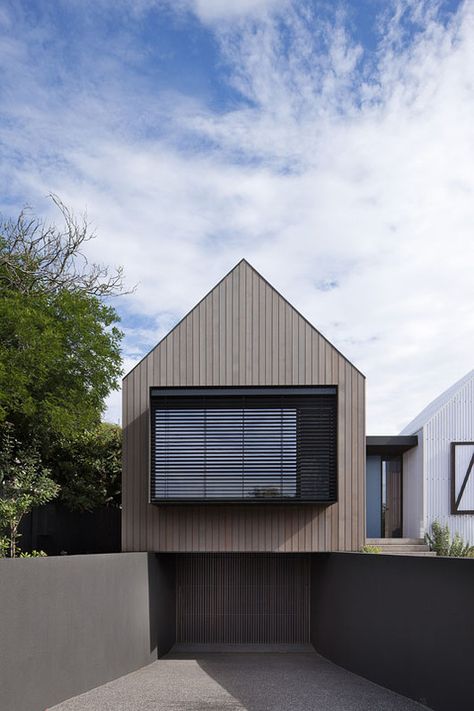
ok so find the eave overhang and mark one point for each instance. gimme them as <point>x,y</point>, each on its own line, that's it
<point>390,445</point>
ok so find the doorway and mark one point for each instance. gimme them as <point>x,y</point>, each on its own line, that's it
<point>384,496</point>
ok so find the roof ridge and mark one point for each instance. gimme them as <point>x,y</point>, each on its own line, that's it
<point>250,266</point>
<point>435,405</point>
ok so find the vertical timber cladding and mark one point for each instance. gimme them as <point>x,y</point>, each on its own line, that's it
<point>244,333</point>
<point>242,598</point>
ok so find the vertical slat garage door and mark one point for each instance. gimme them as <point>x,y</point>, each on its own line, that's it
<point>243,598</point>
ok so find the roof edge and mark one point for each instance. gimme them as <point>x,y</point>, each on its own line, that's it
<point>434,406</point>
<point>243,261</point>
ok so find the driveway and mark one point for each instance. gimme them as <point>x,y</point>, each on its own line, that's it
<point>236,681</point>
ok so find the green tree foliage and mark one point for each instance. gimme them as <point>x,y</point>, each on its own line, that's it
<point>59,359</point>
<point>24,483</point>
<point>59,352</point>
<point>59,344</point>
<point>88,467</point>
<point>440,541</point>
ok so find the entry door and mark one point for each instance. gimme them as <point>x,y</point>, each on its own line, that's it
<point>392,483</point>
<point>384,496</point>
<point>242,598</point>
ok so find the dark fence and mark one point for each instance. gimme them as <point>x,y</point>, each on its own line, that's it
<point>406,623</point>
<point>55,530</point>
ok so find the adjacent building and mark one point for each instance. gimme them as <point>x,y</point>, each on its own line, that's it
<point>439,472</point>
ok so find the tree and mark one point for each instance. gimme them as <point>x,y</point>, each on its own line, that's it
<point>40,258</point>
<point>88,467</point>
<point>24,483</point>
<point>59,343</point>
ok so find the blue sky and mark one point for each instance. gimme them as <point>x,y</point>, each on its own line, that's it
<point>331,144</point>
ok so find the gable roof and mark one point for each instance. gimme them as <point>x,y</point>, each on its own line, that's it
<point>435,406</point>
<point>242,264</point>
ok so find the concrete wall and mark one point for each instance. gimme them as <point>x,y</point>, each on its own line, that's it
<point>403,622</point>
<point>68,624</point>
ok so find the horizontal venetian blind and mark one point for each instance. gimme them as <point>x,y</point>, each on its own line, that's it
<point>252,448</point>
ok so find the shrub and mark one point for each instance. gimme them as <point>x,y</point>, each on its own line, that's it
<point>24,483</point>
<point>370,549</point>
<point>4,546</point>
<point>440,542</point>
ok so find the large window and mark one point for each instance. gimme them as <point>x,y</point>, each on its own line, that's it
<point>243,445</point>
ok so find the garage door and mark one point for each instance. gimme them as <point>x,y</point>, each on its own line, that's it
<point>242,598</point>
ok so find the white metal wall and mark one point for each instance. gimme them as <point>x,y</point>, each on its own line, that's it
<point>413,517</point>
<point>452,423</point>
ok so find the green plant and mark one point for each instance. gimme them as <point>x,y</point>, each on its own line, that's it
<point>24,483</point>
<point>370,549</point>
<point>59,343</point>
<point>34,554</point>
<point>4,546</point>
<point>88,467</point>
<point>440,542</point>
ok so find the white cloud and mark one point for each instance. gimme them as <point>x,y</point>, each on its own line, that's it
<point>218,10</point>
<point>337,169</point>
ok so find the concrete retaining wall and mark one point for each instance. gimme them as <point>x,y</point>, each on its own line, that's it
<point>68,624</point>
<point>406,623</point>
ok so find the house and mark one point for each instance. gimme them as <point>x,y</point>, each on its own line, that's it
<point>227,419</point>
<point>244,452</point>
<point>439,473</point>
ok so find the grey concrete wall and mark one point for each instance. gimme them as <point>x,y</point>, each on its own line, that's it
<point>404,622</point>
<point>68,624</point>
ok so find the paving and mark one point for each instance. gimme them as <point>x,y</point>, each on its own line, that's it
<point>237,681</point>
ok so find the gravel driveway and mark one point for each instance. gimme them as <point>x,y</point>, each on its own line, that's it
<point>231,681</point>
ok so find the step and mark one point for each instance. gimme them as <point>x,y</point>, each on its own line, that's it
<point>415,548</point>
<point>220,648</point>
<point>394,541</point>
<point>430,554</point>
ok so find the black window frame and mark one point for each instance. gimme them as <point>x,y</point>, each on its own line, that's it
<point>155,393</point>
<point>456,499</point>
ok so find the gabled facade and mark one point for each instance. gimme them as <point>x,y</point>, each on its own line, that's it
<point>438,481</point>
<point>244,430</point>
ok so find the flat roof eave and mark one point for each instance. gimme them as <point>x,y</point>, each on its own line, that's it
<point>390,445</point>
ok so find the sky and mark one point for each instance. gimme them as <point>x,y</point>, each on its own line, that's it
<point>329,143</point>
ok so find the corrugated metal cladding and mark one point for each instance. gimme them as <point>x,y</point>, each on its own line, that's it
<point>244,333</point>
<point>454,422</point>
<point>412,491</point>
<point>231,598</point>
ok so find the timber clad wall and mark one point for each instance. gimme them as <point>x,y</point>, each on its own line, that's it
<point>244,333</point>
<point>243,598</point>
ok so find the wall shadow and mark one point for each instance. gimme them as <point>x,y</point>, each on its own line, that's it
<point>162,602</point>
